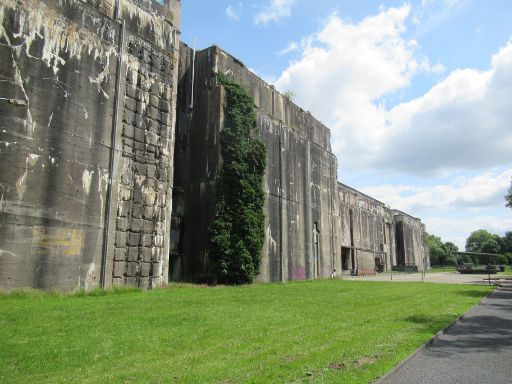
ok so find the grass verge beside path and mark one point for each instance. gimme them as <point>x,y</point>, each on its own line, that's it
<point>319,331</point>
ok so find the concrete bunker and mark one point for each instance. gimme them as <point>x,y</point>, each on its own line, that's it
<point>118,120</point>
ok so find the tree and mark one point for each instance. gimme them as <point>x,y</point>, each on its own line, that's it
<point>476,240</point>
<point>441,254</point>
<point>449,250</point>
<point>508,196</point>
<point>490,246</point>
<point>450,247</point>
<point>436,249</point>
<point>506,242</point>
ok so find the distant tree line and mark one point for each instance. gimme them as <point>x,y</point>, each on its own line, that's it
<point>480,241</point>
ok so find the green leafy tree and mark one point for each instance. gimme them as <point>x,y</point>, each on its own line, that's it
<point>450,247</point>
<point>237,232</point>
<point>508,196</point>
<point>502,259</point>
<point>476,240</point>
<point>442,253</point>
<point>451,260</point>
<point>506,242</point>
<point>438,251</point>
<point>490,246</point>
<point>467,259</point>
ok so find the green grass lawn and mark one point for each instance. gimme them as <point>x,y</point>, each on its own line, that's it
<point>328,331</point>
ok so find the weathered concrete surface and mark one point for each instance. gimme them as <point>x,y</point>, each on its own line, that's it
<point>299,181</point>
<point>375,237</point>
<point>77,76</point>
<point>411,246</point>
<point>58,70</point>
<point>315,227</point>
<point>144,191</point>
<point>366,232</point>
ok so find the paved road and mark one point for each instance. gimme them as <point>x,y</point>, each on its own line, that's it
<point>476,349</point>
<point>435,277</point>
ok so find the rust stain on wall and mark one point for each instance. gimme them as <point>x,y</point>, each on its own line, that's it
<point>69,242</point>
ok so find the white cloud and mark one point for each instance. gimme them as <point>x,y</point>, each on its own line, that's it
<point>346,69</point>
<point>230,12</point>
<point>477,193</point>
<point>461,123</point>
<point>275,11</point>
<point>436,69</point>
<point>454,210</point>
<point>292,47</point>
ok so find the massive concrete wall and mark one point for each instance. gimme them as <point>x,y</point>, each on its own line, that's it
<point>315,227</point>
<point>374,237</point>
<point>299,181</point>
<point>88,103</point>
<point>411,248</point>
<point>366,232</point>
<point>65,99</point>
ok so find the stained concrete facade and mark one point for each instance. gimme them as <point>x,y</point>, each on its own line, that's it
<point>109,150</point>
<point>315,226</point>
<point>299,183</point>
<point>376,238</point>
<point>87,101</point>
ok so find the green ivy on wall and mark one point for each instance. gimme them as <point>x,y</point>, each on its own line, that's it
<point>237,233</point>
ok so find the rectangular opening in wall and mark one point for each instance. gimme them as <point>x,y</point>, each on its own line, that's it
<point>400,249</point>
<point>345,259</point>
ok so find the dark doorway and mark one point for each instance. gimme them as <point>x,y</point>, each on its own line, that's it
<point>400,248</point>
<point>379,265</point>
<point>316,251</point>
<point>345,258</point>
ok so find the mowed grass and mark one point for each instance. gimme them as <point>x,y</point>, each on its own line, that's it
<point>327,331</point>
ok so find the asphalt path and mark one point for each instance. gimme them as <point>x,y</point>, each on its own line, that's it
<point>430,277</point>
<point>476,349</point>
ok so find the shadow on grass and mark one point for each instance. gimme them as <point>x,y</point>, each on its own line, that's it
<point>432,324</point>
<point>471,293</point>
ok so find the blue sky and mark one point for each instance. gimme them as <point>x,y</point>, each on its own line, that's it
<point>418,95</point>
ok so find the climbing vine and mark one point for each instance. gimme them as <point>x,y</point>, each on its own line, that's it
<point>237,233</point>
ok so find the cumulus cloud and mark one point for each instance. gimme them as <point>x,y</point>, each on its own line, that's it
<point>345,72</point>
<point>461,123</point>
<point>344,68</point>
<point>475,193</point>
<point>274,11</point>
<point>230,13</point>
<point>453,210</point>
